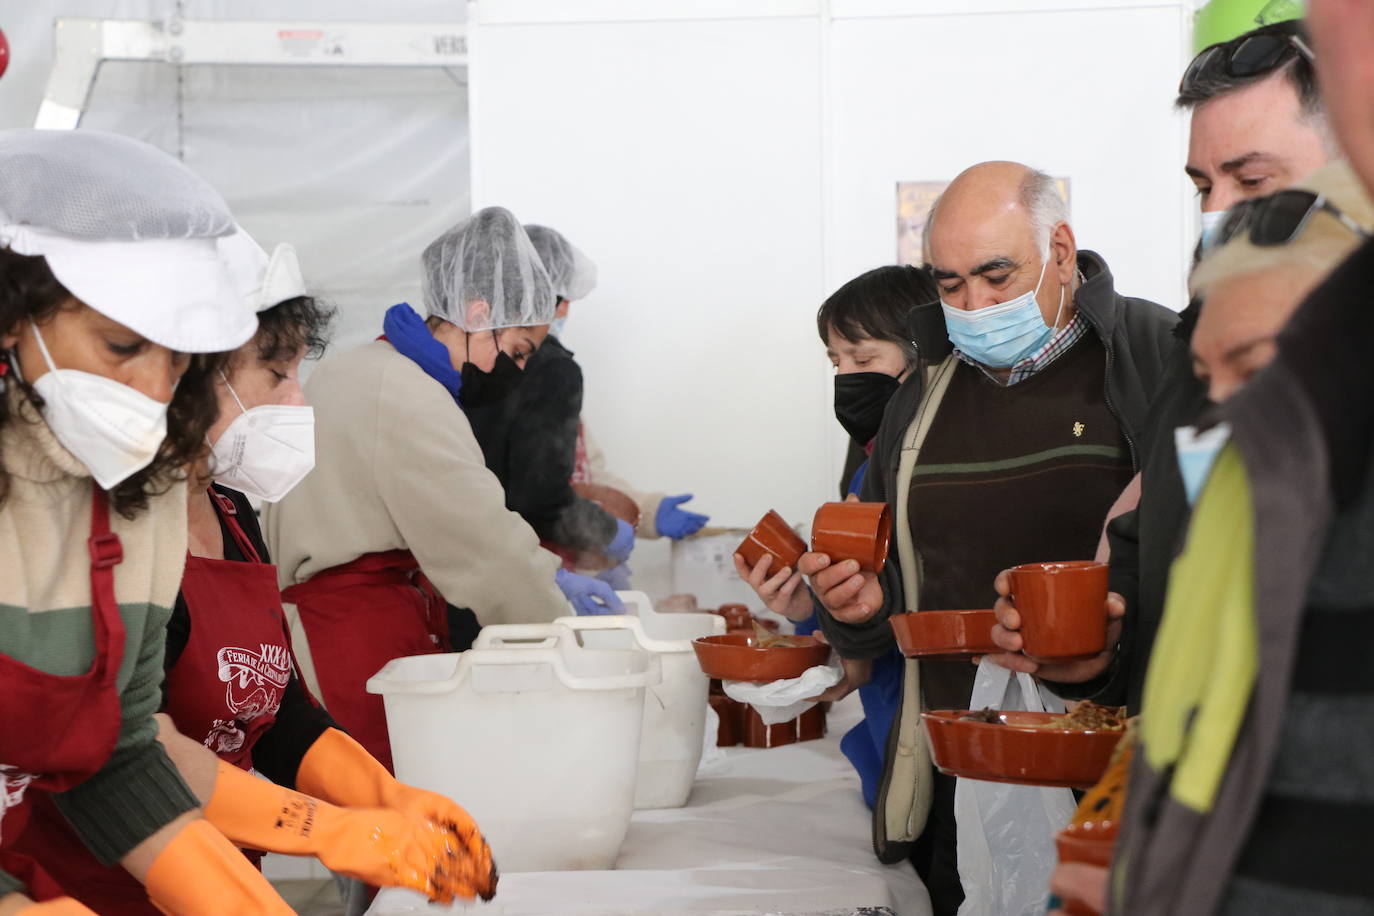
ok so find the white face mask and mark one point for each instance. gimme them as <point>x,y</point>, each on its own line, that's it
<point>109,427</point>
<point>267,450</point>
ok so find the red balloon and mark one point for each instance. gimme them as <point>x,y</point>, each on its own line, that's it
<point>4,52</point>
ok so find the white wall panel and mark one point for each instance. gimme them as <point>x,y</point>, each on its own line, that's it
<point>684,158</point>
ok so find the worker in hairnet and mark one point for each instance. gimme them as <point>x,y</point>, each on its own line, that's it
<point>400,513</point>
<point>538,446</point>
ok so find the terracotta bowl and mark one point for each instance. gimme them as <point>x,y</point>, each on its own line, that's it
<point>1063,609</point>
<point>1091,843</point>
<point>736,657</point>
<point>772,536</point>
<point>737,616</point>
<point>853,531</point>
<point>612,500</point>
<point>1020,751</point>
<point>1087,844</point>
<point>945,634</point>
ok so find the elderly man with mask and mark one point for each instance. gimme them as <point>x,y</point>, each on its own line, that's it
<point>1258,124</point>
<point>400,512</point>
<point>1026,435</point>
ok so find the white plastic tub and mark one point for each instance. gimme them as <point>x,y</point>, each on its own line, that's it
<point>674,710</point>
<point>536,736</point>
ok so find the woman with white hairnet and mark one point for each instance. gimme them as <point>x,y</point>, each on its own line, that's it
<point>401,514</point>
<point>114,304</point>
<point>537,444</point>
<point>231,691</point>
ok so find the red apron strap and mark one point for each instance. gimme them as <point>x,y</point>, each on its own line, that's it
<point>230,516</point>
<point>106,553</point>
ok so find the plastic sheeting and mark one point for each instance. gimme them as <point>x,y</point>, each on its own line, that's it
<point>358,167</point>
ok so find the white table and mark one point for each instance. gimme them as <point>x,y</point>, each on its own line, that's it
<point>778,831</point>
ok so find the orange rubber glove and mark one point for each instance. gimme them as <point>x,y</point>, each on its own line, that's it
<point>340,770</point>
<point>380,846</point>
<point>61,906</point>
<point>200,873</point>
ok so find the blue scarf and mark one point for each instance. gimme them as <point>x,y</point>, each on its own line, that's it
<point>411,337</point>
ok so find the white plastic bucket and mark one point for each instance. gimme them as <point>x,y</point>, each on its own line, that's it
<point>674,710</point>
<point>536,736</point>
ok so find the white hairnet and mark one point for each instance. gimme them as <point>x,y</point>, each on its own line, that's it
<point>99,187</point>
<point>573,274</point>
<point>128,230</point>
<point>487,258</point>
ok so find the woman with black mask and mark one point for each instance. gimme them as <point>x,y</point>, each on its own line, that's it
<point>869,330</point>
<point>400,511</point>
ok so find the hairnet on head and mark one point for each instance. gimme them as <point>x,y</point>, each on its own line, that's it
<point>573,274</point>
<point>128,230</point>
<point>487,258</point>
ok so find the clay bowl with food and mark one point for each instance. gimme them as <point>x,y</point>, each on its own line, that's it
<point>751,657</point>
<point>1090,843</point>
<point>772,536</point>
<point>945,634</point>
<point>1023,748</point>
<point>1063,608</point>
<point>853,531</point>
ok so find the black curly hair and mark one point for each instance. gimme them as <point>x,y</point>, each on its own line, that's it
<point>286,327</point>
<point>30,292</point>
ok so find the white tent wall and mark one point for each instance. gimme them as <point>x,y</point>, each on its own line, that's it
<point>729,164</point>
<point>359,167</point>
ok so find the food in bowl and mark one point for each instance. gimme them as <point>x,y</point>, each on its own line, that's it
<point>1089,716</point>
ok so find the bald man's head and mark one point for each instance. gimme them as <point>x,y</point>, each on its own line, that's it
<point>987,238</point>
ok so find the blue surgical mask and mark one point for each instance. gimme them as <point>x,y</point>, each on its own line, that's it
<point>1211,221</point>
<point>1002,335</point>
<point>557,325</point>
<point>1197,452</point>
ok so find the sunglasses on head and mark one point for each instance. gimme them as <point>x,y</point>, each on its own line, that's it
<point>1278,219</point>
<point>1248,55</point>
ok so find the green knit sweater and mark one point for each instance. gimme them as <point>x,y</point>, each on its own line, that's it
<point>45,622</point>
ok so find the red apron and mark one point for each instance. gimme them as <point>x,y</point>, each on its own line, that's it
<point>357,617</point>
<point>226,687</point>
<point>56,731</point>
<point>224,691</point>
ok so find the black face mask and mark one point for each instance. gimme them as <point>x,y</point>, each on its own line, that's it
<point>482,389</point>
<point>860,398</point>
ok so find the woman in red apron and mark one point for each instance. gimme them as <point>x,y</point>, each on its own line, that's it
<point>110,277</point>
<point>230,682</point>
<point>401,496</point>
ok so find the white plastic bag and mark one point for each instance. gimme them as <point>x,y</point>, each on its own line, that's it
<point>783,701</point>
<point>1006,833</point>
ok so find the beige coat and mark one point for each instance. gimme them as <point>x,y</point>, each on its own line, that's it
<point>397,467</point>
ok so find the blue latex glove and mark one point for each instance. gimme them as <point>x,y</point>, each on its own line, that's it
<point>617,577</point>
<point>676,523</point>
<point>624,543</point>
<point>411,337</point>
<point>589,597</point>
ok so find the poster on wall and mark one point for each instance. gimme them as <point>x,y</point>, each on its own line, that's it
<point>914,201</point>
